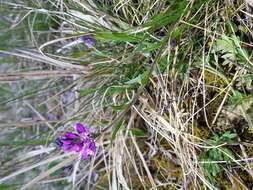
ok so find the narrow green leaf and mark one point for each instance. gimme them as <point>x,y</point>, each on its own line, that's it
<point>117,36</point>
<point>169,17</point>
<point>137,132</point>
<point>120,107</point>
<point>87,91</point>
<point>116,130</point>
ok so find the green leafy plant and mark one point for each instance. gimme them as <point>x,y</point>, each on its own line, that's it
<point>211,157</point>
<point>231,50</point>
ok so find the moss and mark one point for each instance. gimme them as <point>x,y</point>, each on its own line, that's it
<point>223,184</point>
<point>237,184</point>
<point>165,168</point>
<point>245,177</point>
<point>214,80</point>
<point>201,132</point>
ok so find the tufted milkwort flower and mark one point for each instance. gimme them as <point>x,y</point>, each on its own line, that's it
<point>87,40</point>
<point>79,142</point>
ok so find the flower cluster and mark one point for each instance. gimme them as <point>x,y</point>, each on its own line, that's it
<point>79,142</point>
<point>88,40</point>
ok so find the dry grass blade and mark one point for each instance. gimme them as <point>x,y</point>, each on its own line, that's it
<point>43,58</point>
<point>23,170</point>
<point>48,172</point>
<point>36,153</point>
<point>36,75</point>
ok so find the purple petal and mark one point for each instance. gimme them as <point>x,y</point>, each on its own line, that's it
<point>80,128</point>
<point>66,142</point>
<point>78,146</point>
<point>58,142</point>
<point>70,135</point>
<point>87,140</point>
<point>92,147</point>
<point>67,148</point>
<point>88,41</point>
<point>89,150</point>
<point>173,42</point>
<point>84,154</point>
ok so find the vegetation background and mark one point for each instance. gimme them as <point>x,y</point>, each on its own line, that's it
<point>165,86</point>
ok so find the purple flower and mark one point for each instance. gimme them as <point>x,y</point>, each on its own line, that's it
<point>173,43</point>
<point>88,41</point>
<point>79,142</point>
